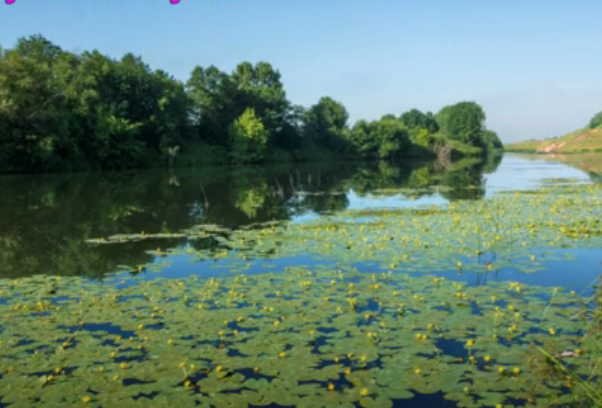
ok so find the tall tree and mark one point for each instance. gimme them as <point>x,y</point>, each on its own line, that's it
<point>393,139</point>
<point>249,138</point>
<point>463,121</point>
<point>415,119</point>
<point>326,123</point>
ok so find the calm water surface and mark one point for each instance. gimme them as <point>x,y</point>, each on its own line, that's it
<point>45,220</point>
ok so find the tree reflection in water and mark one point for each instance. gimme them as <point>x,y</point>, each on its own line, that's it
<point>47,218</point>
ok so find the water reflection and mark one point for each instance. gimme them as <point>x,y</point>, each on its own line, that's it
<point>45,220</point>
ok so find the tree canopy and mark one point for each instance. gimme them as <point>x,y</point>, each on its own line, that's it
<point>596,121</point>
<point>61,111</point>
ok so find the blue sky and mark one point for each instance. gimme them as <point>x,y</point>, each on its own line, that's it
<point>534,65</point>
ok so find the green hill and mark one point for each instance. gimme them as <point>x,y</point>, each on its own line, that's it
<point>582,140</point>
<point>588,139</point>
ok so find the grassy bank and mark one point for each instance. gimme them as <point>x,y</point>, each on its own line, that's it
<point>579,141</point>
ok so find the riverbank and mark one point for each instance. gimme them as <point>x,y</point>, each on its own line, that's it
<point>579,141</point>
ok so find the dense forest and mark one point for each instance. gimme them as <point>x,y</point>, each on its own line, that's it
<point>61,111</point>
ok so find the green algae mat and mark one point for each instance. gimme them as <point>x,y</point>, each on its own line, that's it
<point>324,336</point>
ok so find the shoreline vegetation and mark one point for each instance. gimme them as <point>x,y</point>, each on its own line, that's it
<point>585,140</point>
<point>64,112</point>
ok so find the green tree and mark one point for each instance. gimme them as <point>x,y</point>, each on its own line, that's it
<point>415,119</point>
<point>491,141</point>
<point>596,121</point>
<point>325,124</point>
<point>213,97</point>
<point>248,138</point>
<point>463,121</point>
<point>362,139</point>
<point>385,139</point>
<point>260,87</point>
<point>34,117</point>
<point>393,139</point>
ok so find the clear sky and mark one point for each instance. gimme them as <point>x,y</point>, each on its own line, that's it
<point>534,65</point>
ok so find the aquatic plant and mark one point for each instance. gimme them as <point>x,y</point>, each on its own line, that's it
<point>326,335</point>
<point>299,337</point>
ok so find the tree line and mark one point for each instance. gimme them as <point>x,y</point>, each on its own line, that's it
<point>61,111</point>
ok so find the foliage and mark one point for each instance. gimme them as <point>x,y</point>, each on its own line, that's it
<point>415,119</point>
<point>386,139</point>
<point>596,121</point>
<point>248,138</point>
<point>63,111</point>
<point>325,124</point>
<point>490,141</point>
<point>392,138</point>
<point>463,121</point>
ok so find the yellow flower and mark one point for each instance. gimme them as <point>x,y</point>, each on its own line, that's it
<point>501,369</point>
<point>182,364</point>
<point>487,358</point>
<point>282,354</point>
<point>364,392</point>
<point>123,365</point>
<point>469,343</point>
<point>219,368</point>
<point>552,331</point>
<point>363,358</point>
<point>347,371</point>
<point>417,370</point>
<point>170,341</point>
<point>277,323</point>
<point>86,399</point>
<point>330,386</point>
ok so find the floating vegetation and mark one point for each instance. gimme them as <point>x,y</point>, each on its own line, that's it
<point>327,335</point>
<point>513,229</point>
<point>297,338</point>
